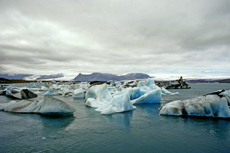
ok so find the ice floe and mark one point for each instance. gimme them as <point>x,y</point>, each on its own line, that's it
<point>48,106</point>
<point>210,105</point>
<point>153,96</point>
<point>20,93</point>
<point>79,93</point>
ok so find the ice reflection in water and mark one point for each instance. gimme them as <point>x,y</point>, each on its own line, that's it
<point>121,119</point>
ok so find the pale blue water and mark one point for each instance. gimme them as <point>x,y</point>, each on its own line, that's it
<point>141,130</point>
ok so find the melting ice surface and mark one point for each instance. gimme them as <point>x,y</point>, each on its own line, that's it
<point>141,130</point>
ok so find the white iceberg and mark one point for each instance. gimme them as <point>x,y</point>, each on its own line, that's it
<point>52,92</point>
<point>166,92</point>
<point>153,96</point>
<point>97,96</point>
<point>20,93</point>
<point>68,92</point>
<point>32,85</point>
<point>43,88</point>
<point>78,93</point>
<point>119,103</point>
<point>207,106</point>
<point>48,106</point>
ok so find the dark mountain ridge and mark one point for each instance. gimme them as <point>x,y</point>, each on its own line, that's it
<point>108,76</point>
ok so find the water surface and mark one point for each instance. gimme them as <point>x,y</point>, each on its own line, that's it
<point>141,130</point>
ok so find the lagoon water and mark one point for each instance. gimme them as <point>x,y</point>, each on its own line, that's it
<point>141,130</point>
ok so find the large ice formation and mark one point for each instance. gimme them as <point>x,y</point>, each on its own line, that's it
<point>119,103</point>
<point>210,105</point>
<point>48,106</point>
<point>20,93</point>
<point>153,96</point>
<point>52,92</point>
<point>78,93</point>
<point>99,96</point>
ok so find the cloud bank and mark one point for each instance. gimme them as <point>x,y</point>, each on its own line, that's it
<point>155,37</point>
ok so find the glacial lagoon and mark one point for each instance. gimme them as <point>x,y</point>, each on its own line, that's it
<point>140,130</point>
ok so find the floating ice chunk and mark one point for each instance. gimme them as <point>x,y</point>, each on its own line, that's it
<point>150,82</point>
<point>55,107</point>
<point>55,86</point>
<point>141,84</point>
<point>48,106</point>
<point>166,92</point>
<point>32,85</point>
<point>52,92</point>
<point>53,81</point>
<point>119,103</point>
<point>78,93</point>
<point>83,85</point>
<point>43,88</point>
<point>98,95</point>
<point>67,92</point>
<point>153,96</point>
<point>20,93</point>
<point>208,105</point>
<point>137,92</point>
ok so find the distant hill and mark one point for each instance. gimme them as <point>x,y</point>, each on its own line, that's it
<point>108,76</point>
<point>50,76</point>
<point>15,76</point>
<point>30,76</point>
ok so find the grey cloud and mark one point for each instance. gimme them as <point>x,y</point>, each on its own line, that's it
<point>114,36</point>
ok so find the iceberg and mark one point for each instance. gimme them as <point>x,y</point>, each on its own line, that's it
<point>52,92</point>
<point>210,105</point>
<point>67,92</point>
<point>153,96</point>
<point>48,106</point>
<point>32,85</point>
<point>20,93</point>
<point>43,88</point>
<point>55,107</point>
<point>119,103</point>
<point>78,93</point>
<point>166,92</point>
<point>98,95</point>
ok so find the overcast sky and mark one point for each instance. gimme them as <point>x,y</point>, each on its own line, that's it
<point>166,37</point>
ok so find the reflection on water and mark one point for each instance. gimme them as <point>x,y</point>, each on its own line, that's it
<point>149,109</point>
<point>121,119</point>
<point>214,126</point>
<point>56,123</point>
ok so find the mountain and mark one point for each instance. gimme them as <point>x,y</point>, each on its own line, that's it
<point>15,76</point>
<point>108,76</point>
<point>50,76</point>
<point>30,76</point>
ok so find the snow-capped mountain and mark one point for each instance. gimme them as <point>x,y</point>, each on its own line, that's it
<point>108,76</point>
<point>30,76</point>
